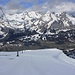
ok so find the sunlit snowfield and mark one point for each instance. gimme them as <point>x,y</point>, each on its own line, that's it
<point>36,62</point>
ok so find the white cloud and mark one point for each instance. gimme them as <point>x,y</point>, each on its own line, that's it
<point>64,7</point>
<point>14,6</point>
<point>57,7</point>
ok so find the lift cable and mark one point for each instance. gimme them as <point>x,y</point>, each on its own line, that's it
<point>4,15</point>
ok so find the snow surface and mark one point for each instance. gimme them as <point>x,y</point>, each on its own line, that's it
<point>36,62</point>
<point>72,19</point>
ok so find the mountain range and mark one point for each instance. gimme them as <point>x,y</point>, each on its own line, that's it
<point>32,26</point>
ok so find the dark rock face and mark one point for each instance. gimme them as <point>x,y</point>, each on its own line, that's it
<point>57,25</point>
<point>70,53</point>
<point>61,37</point>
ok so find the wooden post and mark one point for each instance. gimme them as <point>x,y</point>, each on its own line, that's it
<point>17,53</point>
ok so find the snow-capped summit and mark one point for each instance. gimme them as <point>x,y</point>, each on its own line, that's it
<point>33,14</point>
<point>64,17</point>
<point>47,17</point>
<point>36,18</point>
<point>39,22</point>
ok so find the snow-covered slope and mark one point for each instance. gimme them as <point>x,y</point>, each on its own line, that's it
<point>36,62</point>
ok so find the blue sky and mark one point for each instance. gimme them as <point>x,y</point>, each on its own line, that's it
<point>52,5</point>
<point>3,2</point>
<point>24,3</point>
<point>29,3</point>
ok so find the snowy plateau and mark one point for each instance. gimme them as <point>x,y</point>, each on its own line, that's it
<point>36,62</point>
